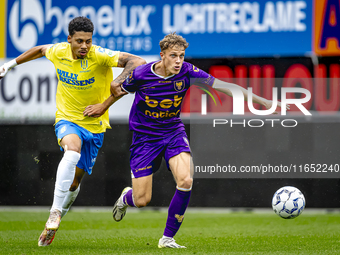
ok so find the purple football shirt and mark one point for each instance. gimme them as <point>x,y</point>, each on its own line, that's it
<point>157,105</point>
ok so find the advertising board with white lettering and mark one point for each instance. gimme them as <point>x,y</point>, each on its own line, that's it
<point>28,91</point>
<point>219,28</point>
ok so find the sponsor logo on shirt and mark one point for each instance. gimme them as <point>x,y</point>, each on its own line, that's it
<point>208,80</point>
<point>143,88</point>
<point>65,59</point>
<point>196,69</point>
<point>143,168</point>
<point>72,79</point>
<point>129,78</point>
<point>165,104</point>
<point>65,64</point>
<point>110,53</point>
<point>101,50</point>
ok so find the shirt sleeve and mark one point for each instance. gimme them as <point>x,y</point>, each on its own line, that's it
<point>130,84</point>
<point>50,52</point>
<point>199,77</point>
<point>107,57</point>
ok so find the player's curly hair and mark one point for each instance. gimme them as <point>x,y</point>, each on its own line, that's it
<point>80,24</point>
<point>171,40</point>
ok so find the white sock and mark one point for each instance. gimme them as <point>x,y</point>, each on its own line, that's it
<point>68,200</point>
<point>65,175</point>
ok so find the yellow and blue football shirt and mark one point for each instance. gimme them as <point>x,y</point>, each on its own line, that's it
<point>82,82</point>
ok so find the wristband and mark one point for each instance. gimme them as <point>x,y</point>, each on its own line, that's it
<point>12,63</point>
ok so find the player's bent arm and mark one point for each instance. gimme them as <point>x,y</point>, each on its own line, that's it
<point>117,90</point>
<point>98,110</point>
<point>227,88</point>
<point>129,62</point>
<point>31,54</point>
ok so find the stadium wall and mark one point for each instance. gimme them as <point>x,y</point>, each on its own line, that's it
<point>30,156</point>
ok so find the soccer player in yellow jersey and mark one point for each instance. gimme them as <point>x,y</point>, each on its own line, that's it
<point>84,75</point>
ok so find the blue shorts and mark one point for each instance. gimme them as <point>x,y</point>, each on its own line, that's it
<point>90,143</point>
<point>147,151</point>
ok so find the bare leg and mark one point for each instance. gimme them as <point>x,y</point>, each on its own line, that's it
<point>137,196</point>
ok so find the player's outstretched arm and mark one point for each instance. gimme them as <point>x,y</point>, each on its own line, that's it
<point>226,88</point>
<point>129,62</point>
<point>31,54</point>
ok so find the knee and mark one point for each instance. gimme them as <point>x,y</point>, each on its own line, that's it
<point>73,147</point>
<point>185,183</point>
<point>142,201</point>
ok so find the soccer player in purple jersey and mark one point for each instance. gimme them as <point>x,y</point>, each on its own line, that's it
<point>159,89</point>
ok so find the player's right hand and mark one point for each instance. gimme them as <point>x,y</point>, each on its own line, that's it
<point>94,111</point>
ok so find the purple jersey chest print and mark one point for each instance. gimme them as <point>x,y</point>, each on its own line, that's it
<point>157,105</point>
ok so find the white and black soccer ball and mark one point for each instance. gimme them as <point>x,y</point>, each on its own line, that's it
<point>288,202</point>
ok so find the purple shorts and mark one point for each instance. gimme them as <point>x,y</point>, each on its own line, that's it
<point>147,151</point>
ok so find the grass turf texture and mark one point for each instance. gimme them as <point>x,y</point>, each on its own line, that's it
<point>202,233</point>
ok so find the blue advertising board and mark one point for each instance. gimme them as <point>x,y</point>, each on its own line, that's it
<point>213,29</point>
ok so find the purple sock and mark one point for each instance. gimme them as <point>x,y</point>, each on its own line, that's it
<point>128,199</point>
<point>178,205</point>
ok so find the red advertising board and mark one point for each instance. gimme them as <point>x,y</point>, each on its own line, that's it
<point>321,79</point>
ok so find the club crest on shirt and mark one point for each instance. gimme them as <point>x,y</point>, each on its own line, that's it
<point>179,85</point>
<point>84,64</point>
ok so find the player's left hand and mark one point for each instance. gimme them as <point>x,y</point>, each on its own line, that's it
<point>94,111</point>
<point>116,89</point>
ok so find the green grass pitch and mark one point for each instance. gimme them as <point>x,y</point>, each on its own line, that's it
<point>203,233</point>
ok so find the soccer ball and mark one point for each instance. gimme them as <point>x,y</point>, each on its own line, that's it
<point>288,202</point>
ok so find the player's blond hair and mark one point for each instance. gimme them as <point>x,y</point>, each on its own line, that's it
<point>172,40</point>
